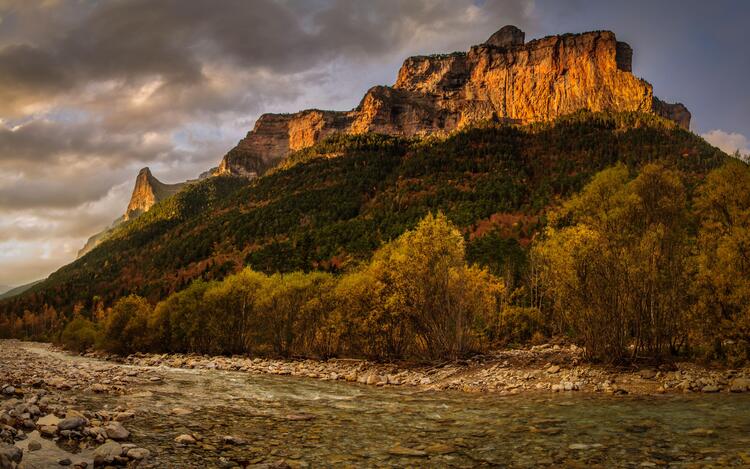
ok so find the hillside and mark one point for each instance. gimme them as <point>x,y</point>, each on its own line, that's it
<point>331,205</point>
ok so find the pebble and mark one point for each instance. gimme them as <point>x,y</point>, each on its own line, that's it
<point>232,440</point>
<point>48,420</point>
<point>108,451</point>
<point>71,423</point>
<point>740,385</point>
<point>185,440</point>
<point>583,446</point>
<point>138,453</point>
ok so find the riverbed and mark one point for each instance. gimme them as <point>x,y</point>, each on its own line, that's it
<point>238,419</point>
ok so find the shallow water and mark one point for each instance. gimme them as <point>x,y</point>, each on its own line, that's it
<point>315,423</point>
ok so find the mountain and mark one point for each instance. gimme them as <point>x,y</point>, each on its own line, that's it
<point>503,78</point>
<point>493,138</point>
<point>146,193</point>
<point>4,288</point>
<point>329,206</point>
<point>10,292</point>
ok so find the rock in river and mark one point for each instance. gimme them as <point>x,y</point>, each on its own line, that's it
<point>116,431</point>
<point>108,451</point>
<point>48,420</point>
<point>185,440</point>
<point>71,423</point>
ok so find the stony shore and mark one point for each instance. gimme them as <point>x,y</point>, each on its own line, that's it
<point>544,368</point>
<point>43,426</point>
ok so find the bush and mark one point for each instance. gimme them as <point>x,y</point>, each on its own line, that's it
<point>80,335</point>
<point>615,263</point>
<point>126,328</point>
<point>441,305</point>
<point>520,325</point>
<point>180,323</point>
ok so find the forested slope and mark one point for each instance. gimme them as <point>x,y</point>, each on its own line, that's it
<point>330,206</point>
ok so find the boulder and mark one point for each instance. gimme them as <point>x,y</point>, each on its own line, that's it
<point>108,451</point>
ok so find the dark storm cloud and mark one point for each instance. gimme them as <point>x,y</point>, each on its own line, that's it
<point>126,68</point>
<point>175,39</point>
<point>39,146</point>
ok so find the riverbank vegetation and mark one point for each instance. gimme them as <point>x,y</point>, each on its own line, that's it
<point>432,249</point>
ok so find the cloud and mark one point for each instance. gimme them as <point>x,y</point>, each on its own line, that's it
<point>729,142</point>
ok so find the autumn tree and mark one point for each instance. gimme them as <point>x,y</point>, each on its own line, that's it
<point>615,264</point>
<point>723,280</point>
<point>126,329</point>
<point>428,284</point>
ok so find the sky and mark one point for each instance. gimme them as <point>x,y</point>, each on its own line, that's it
<point>93,90</point>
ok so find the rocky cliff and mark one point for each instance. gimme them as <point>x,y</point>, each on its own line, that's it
<point>146,193</point>
<point>503,78</point>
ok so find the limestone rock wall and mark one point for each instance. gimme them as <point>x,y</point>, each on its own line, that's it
<point>503,78</point>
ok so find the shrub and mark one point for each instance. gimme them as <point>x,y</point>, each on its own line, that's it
<point>521,325</point>
<point>80,335</point>
<point>126,328</point>
<point>615,263</point>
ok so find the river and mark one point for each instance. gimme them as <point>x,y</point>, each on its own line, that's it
<point>313,423</point>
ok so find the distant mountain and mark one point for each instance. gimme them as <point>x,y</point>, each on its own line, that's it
<point>329,206</point>
<point>493,137</point>
<point>15,291</point>
<point>4,288</point>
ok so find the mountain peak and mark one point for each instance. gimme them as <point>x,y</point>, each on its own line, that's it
<point>507,36</point>
<point>147,192</point>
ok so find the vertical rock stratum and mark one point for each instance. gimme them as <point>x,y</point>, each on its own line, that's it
<point>503,78</point>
